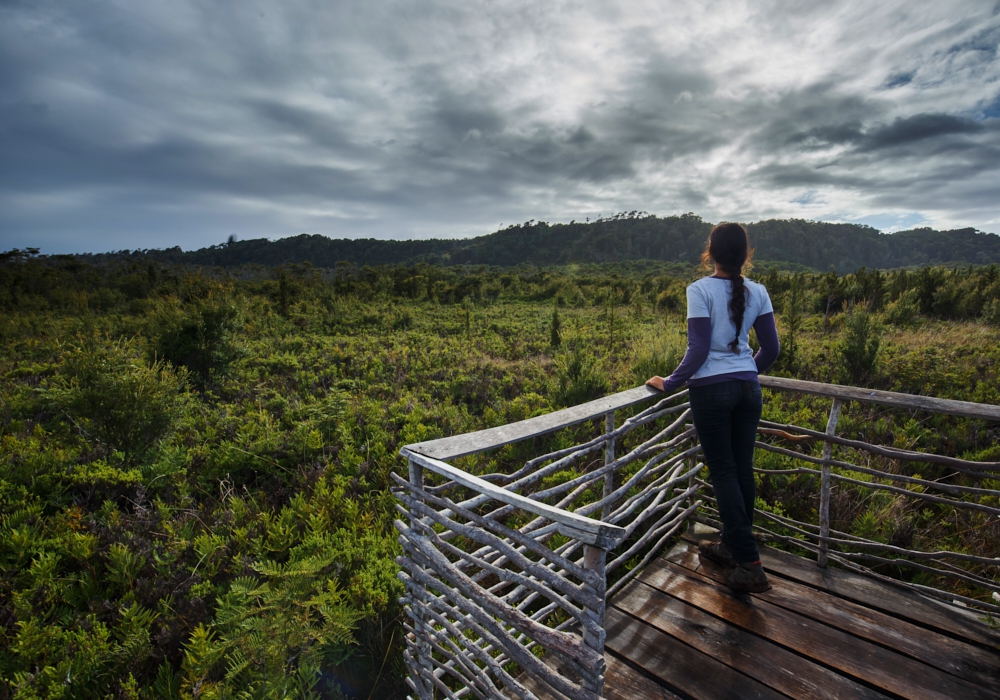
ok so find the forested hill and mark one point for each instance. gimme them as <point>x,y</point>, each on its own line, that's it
<point>620,238</point>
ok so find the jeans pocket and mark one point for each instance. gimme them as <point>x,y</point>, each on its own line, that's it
<point>714,396</point>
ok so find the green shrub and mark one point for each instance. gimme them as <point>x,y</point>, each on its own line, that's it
<point>579,379</point>
<point>857,353</point>
<point>115,397</point>
<point>202,339</point>
<point>282,623</point>
<point>904,310</point>
<point>991,313</point>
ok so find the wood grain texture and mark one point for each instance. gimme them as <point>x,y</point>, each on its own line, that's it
<point>895,600</point>
<point>621,682</point>
<point>958,658</point>
<point>679,666</point>
<point>872,664</point>
<point>747,653</point>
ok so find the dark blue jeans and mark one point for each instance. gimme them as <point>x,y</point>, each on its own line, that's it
<point>726,417</point>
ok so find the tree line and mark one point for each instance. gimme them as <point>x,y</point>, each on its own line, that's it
<point>630,236</point>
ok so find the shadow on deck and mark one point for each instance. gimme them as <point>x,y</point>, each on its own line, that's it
<point>678,632</point>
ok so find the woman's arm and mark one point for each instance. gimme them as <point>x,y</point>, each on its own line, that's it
<point>699,342</point>
<point>767,337</point>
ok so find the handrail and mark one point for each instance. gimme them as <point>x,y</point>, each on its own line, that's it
<point>967,409</point>
<point>491,438</point>
<point>578,527</point>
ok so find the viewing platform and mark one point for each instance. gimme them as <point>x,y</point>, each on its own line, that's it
<point>816,634</point>
<point>576,575</point>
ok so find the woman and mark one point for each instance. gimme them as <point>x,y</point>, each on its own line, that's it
<point>721,373</point>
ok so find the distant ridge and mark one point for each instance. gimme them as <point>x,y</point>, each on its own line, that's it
<point>620,238</point>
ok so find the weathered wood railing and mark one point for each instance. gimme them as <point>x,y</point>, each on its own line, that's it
<point>499,564</point>
<point>504,569</point>
<point>960,489</point>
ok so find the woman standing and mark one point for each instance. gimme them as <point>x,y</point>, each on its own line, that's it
<point>720,371</point>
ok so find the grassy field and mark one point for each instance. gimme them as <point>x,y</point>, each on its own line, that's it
<point>194,490</point>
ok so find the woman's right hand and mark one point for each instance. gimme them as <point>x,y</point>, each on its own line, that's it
<point>656,382</point>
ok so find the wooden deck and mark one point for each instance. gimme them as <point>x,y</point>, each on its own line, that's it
<point>678,632</point>
<point>816,634</point>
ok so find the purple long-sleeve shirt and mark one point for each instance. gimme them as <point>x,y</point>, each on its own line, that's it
<point>699,342</point>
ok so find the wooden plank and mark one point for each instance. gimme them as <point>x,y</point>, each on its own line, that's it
<point>532,683</point>
<point>873,593</point>
<point>481,440</point>
<point>958,658</point>
<point>754,656</point>
<point>621,682</point>
<point>895,600</point>
<point>867,662</point>
<point>579,527</point>
<point>951,407</point>
<point>680,667</point>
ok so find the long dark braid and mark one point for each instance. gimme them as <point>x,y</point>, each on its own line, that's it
<point>737,305</point>
<point>729,248</point>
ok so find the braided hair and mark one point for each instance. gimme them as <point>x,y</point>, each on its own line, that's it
<point>729,248</point>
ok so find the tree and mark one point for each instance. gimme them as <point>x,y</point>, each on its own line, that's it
<point>202,340</point>
<point>831,287</point>
<point>791,319</point>
<point>858,351</point>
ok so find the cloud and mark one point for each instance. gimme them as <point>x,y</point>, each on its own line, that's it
<point>158,124</point>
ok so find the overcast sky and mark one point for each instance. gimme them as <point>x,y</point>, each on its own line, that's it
<point>140,124</point>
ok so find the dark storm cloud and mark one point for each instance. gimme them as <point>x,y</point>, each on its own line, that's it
<point>162,123</point>
<point>920,128</point>
<point>925,131</point>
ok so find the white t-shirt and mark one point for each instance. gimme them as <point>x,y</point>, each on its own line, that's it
<point>709,298</point>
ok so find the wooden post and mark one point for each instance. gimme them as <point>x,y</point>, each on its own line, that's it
<point>594,559</point>
<point>609,457</point>
<point>824,498</point>
<point>424,688</point>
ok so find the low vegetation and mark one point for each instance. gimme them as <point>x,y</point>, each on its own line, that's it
<point>195,492</point>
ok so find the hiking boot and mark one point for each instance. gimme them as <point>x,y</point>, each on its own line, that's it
<point>747,578</point>
<point>717,552</point>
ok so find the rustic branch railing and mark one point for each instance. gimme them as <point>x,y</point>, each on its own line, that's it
<point>957,491</point>
<point>509,572</point>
